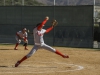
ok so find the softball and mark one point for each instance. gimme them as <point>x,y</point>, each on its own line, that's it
<point>28,30</point>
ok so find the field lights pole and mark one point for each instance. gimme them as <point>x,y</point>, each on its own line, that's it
<point>54,28</point>
<point>23,2</point>
<point>94,2</point>
<point>94,12</point>
<point>4,2</point>
<point>94,17</point>
<point>54,3</point>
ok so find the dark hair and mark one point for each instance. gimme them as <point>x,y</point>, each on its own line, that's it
<point>38,24</point>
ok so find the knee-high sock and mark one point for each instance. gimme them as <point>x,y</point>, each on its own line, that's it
<point>16,45</point>
<point>25,47</point>
<point>59,53</point>
<point>24,58</point>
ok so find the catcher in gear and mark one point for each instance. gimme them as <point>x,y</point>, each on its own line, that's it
<point>38,33</point>
<point>21,36</point>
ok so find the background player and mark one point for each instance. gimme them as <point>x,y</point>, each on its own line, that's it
<point>38,33</point>
<point>21,36</point>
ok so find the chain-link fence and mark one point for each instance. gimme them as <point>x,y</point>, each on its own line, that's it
<point>75,24</point>
<point>97,26</point>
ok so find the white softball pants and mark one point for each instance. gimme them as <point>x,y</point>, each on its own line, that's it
<point>36,47</point>
<point>19,40</point>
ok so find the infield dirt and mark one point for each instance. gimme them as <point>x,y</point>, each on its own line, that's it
<point>44,62</point>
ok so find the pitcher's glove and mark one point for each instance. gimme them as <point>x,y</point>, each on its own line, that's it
<point>54,23</point>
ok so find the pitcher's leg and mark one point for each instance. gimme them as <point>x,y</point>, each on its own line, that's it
<point>34,49</point>
<point>47,47</point>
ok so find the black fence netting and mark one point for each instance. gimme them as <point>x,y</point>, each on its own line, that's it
<point>74,29</point>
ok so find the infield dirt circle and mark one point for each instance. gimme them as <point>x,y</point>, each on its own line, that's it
<point>82,61</point>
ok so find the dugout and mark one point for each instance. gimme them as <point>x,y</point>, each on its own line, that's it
<point>75,24</point>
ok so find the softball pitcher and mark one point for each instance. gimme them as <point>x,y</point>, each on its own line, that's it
<point>21,36</point>
<point>38,33</point>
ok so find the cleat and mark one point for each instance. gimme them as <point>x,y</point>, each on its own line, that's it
<point>15,49</point>
<point>16,65</point>
<point>26,49</point>
<point>65,56</point>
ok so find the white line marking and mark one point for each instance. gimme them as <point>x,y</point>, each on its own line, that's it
<point>43,68</point>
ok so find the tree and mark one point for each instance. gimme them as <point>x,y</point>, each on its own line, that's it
<point>33,3</point>
<point>19,3</point>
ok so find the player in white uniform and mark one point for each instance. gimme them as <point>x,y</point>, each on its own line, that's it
<point>38,33</point>
<point>21,36</point>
